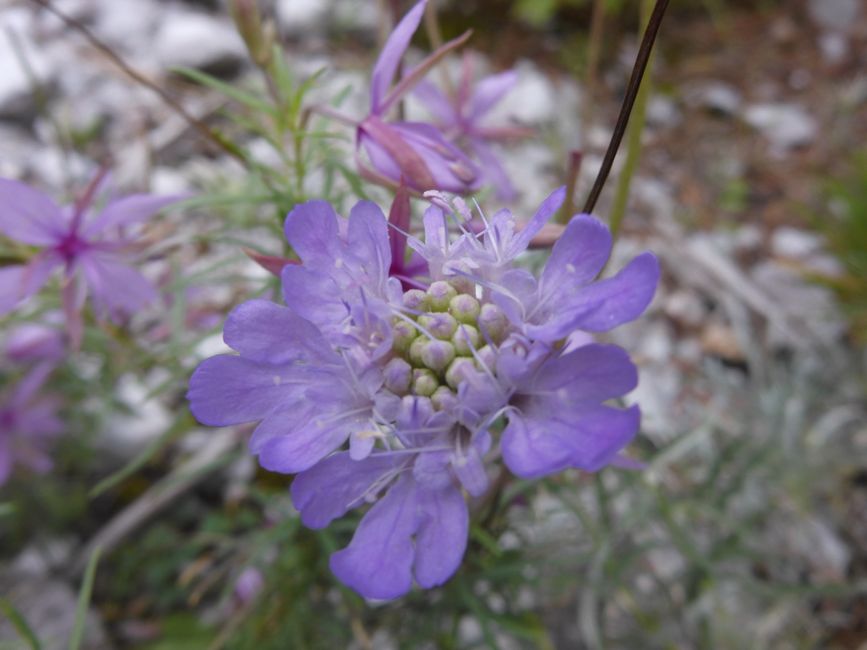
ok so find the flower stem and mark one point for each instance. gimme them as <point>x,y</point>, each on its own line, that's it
<point>628,101</point>
<point>633,144</point>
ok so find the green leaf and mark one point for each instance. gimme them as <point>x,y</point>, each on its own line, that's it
<point>84,600</point>
<point>19,623</point>
<point>242,97</point>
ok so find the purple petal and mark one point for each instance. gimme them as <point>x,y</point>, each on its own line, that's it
<point>452,170</point>
<point>578,256</point>
<point>436,102</point>
<point>337,484</point>
<point>17,283</point>
<point>5,460</point>
<point>470,470</point>
<point>389,59</point>
<point>29,216</point>
<point>489,91</point>
<point>494,171</point>
<point>534,447</point>
<point>116,287</point>
<point>441,538</point>
<point>228,390</point>
<point>620,299</point>
<point>297,440</point>
<point>393,156</point>
<point>369,245</point>
<point>546,210</point>
<point>591,374</point>
<point>269,333</point>
<point>127,211</point>
<point>314,296</point>
<point>378,561</point>
<point>311,229</point>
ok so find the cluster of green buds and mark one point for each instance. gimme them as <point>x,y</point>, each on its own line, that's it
<point>444,332</point>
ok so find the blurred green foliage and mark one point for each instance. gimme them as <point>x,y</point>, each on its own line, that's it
<point>844,225</point>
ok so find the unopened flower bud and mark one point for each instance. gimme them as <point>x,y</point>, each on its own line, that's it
<point>258,36</point>
<point>437,355</point>
<point>458,371</point>
<point>465,340</point>
<point>443,399</point>
<point>465,308</point>
<point>440,293</point>
<point>416,300</point>
<point>403,334</point>
<point>424,382</point>
<point>397,376</point>
<point>441,324</point>
<point>486,356</point>
<point>462,283</point>
<point>415,349</point>
<point>493,322</point>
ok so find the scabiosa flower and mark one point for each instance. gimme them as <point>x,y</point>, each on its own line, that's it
<point>376,393</point>
<point>461,115</point>
<point>28,423</point>
<point>89,248</point>
<point>413,152</point>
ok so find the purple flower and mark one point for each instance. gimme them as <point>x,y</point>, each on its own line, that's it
<point>461,115</point>
<point>28,424</point>
<point>375,393</point>
<point>35,342</point>
<point>90,249</point>
<point>412,152</point>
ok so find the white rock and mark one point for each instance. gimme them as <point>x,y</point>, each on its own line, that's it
<point>662,111</point>
<point>25,69</point>
<point>786,126</point>
<point>196,40</point>
<point>794,243</point>
<point>834,14</point>
<point>351,15</point>
<point>685,308</point>
<point>301,16</point>
<point>716,96</point>
<point>126,434</point>
<point>834,47</point>
<point>533,100</point>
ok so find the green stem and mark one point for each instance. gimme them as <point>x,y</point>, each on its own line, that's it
<point>633,140</point>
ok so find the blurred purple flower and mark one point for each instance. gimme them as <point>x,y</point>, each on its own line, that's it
<point>89,248</point>
<point>28,424</point>
<point>35,342</point>
<point>460,115</point>
<point>373,393</point>
<point>249,584</point>
<point>412,152</point>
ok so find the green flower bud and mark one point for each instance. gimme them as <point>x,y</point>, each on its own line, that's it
<point>437,355</point>
<point>440,293</point>
<point>415,349</point>
<point>465,340</point>
<point>463,284</point>
<point>416,299</point>
<point>441,324</point>
<point>465,308</point>
<point>397,376</point>
<point>493,321</point>
<point>443,398</point>
<point>403,334</point>
<point>424,382</point>
<point>458,371</point>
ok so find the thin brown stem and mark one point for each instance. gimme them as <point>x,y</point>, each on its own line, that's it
<point>628,101</point>
<point>139,78</point>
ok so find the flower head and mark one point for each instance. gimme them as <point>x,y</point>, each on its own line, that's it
<point>375,393</point>
<point>89,248</point>
<point>412,152</point>
<point>28,423</point>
